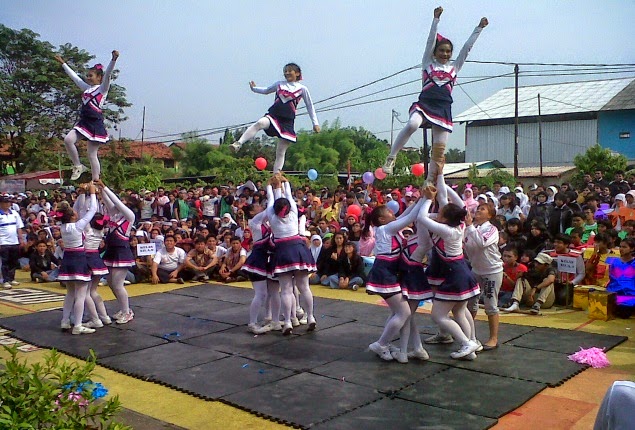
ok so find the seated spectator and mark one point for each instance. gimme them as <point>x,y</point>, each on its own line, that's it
<point>512,270</point>
<point>539,238</point>
<point>232,262</point>
<point>515,237</point>
<point>622,278</point>
<point>43,264</point>
<point>595,266</point>
<point>561,248</point>
<point>539,279</point>
<point>200,263</point>
<point>168,263</point>
<point>590,224</point>
<point>350,269</point>
<point>322,260</point>
<point>212,245</point>
<point>575,236</point>
<point>142,270</point>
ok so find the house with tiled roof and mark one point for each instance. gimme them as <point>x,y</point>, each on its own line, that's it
<point>136,150</point>
<point>573,116</point>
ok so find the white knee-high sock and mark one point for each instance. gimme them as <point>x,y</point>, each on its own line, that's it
<point>414,122</point>
<point>117,276</point>
<point>80,291</point>
<point>281,151</point>
<point>286,295</point>
<point>95,167</point>
<point>262,124</point>
<point>273,292</point>
<point>260,297</point>
<point>401,312</point>
<point>440,315</point>
<point>302,281</point>
<point>97,300</point>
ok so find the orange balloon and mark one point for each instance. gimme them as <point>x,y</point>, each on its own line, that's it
<point>380,174</point>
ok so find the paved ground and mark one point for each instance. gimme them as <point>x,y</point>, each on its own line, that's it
<point>150,406</point>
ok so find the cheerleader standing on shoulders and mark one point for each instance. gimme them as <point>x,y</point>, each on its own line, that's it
<point>118,256</point>
<point>383,278</point>
<point>279,120</point>
<point>450,273</point>
<point>74,268</point>
<point>291,259</point>
<point>434,108</point>
<point>91,118</point>
<point>93,235</point>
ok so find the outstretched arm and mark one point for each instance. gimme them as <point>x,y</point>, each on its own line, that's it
<point>289,196</point>
<point>263,90</point>
<point>71,73</point>
<point>453,197</point>
<point>119,205</point>
<point>80,205</point>
<point>405,219</point>
<point>432,38</point>
<point>460,60</point>
<point>442,193</point>
<point>90,213</point>
<point>306,96</point>
<point>105,83</point>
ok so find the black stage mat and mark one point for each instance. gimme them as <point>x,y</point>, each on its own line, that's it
<point>565,341</point>
<point>398,414</point>
<point>195,339</point>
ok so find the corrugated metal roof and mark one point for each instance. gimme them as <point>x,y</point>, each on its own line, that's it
<point>555,99</point>
<point>523,172</point>
<point>625,99</point>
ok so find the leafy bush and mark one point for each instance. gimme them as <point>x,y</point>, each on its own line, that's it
<point>53,395</point>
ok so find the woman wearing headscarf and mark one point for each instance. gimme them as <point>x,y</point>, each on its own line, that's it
<point>468,198</point>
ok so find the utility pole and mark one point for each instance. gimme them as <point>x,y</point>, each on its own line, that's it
<point>143,126</point>
<point>426,158</point>
<point>516,121</point>
<point>540,134</point>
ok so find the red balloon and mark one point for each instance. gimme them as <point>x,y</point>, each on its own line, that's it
<point>380,174</point>
<point>417,169</point>
<point>354,210</point>
<point>261,163</point>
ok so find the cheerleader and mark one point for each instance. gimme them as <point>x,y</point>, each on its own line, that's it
<point>91,119</point>
<point>74,269</point>
<point>448,270</point>
<point>434,108</point>
<point>291,260</point>
<point>93,235</point>
<point>257,266</point>
<point>118,256</point>
<point>279,121</point>
<point>383,278</point>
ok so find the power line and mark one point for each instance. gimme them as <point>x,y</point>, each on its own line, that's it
<point>508,63</point>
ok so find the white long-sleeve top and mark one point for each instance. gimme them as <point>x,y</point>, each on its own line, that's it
<point>385,234</point>
<point>73,232</point>
<point>92,237</point>
<point>481,248</point>
<point>291,92</point>
<point>95,94</point>
<point>287,226</point>
<point>450,239</point>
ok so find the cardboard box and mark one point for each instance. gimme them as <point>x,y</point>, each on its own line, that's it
<point>581,296</point>
<point>602,305</point>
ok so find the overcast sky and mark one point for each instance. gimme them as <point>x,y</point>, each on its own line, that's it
<point>189,62</point>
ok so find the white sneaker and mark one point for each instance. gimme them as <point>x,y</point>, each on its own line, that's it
<point>299,312</point>
<point>6,286</point>
<point>295,322</point>
<point>419,354</point>
<point>65,325</point>
<point>235,146</point>
<point>276,326</point>
<point>401,357</point>
<point>438,338</point>
<point>304,320</point>
<point>80,329</point>
<point>77,172</point>
<point>382,351</point>
<point>466,349</point>
<point>106,320</point>
<point>470,357</point>
<point>480,345</point>
<point>311,324</point>
<point>101,284</point>
<point>513,308</point>
<point>14,283</point>
<point>127,282</point>
<point>288,329</point>
<point>118,315</point>
<point>94,324</point>
<point>125,318</point>
<point>389,165</point>
<point>255,329</point>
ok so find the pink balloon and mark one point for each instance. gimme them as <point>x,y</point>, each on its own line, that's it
<point>417,169</point>
<point>379,173</point>
<point>261,163</point>
<point>354,210</point>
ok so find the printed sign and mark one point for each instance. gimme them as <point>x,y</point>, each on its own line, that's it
<point>146,248</point>
<point>566,264</point>
<point>29,296</point>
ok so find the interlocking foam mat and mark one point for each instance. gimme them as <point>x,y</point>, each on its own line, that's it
<point>194,339</point>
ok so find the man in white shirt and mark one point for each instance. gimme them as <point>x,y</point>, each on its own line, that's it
<point>147,206</point>
<point>168,263</point>
<point>10,240</point>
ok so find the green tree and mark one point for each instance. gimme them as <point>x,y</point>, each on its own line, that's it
<point>455,155</point>
<point>38,102</point>
<point>598,158</point>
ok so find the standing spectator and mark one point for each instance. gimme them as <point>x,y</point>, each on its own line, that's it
<point>619,185</point>
<point>147,206</point>
<point>182,208</point>
<point>560,218</point>
<point>599,179</point>
<point>159,203</point>
<point>11,237</point>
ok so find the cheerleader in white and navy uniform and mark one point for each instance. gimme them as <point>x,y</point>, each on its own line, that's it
<point>291,259</point>
<point>74,269</point>
<point>258,268</point>
<point>279,121</point>
<point>91,118</point>
<point>384,277</point>
<point>434,108</point>
<point>93,235</point>
<point>118,256</point>
<point>449,272</point>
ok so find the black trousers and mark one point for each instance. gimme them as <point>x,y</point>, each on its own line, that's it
<point>9,255</point>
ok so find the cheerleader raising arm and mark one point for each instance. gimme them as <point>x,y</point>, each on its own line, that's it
<point>460,59</point>
<point>119,206</point>
<point>81,224</point>
<point>432,37</point>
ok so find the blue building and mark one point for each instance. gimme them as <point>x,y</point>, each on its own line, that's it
<point>573,116</point>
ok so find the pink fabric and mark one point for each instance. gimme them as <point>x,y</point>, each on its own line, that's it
<point>594,357</point>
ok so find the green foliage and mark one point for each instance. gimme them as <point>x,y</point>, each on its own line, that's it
<point>475,177</point>
<point>32,396</point>
<point>598,158</point>
<point>37,100</point>
<point>455,155</point>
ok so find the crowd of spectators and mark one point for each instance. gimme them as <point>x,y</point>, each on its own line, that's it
<point>201,232</point>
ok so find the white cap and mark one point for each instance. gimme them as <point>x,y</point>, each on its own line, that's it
<point>621,197</point>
